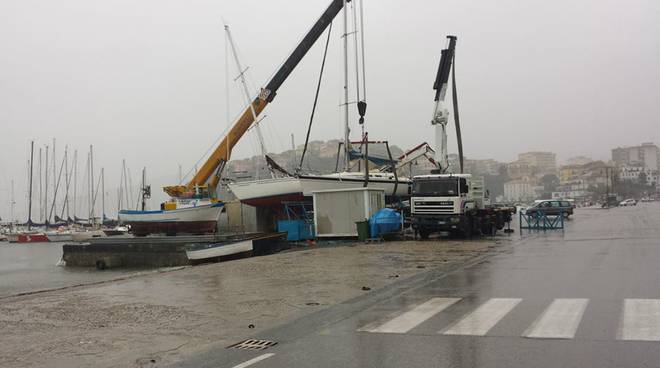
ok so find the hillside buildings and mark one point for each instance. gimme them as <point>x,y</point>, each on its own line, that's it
<point>645,155</point>
<point>544,162</point>
<point>583,181</point>
<point>526,174</point>
<point>638,165</point>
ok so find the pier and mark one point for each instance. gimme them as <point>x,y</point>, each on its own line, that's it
<point>156,251</point>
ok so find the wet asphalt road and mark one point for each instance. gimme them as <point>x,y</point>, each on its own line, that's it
<point>588,296</point>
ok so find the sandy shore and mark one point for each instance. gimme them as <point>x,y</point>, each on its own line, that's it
<point>151,320</point>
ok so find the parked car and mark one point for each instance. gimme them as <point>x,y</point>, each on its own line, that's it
<point>551,207</point>
<point>628,202</point>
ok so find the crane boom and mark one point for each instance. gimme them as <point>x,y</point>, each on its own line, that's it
<point>440,111</point>
<point>220,156</point>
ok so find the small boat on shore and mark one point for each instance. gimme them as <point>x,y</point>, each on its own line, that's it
<point>257,243</point>
<point>199,252</point>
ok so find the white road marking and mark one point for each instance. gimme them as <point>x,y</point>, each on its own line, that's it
<point>482,319</point>
<point>409,320</point>
<point>254,360</point>
<point>559,321</point>
<point>641,320</point>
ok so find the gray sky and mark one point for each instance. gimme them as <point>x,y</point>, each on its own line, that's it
<point>145,80</point>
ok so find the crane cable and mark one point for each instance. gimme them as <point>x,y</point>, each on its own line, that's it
<point>316,99</point>
<point>454,98</point>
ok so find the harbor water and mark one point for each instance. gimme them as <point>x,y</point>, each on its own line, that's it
<point>26,268</point>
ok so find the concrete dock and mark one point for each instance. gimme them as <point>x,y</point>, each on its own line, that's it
<point>152,251</point>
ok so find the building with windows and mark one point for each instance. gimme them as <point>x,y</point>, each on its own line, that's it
<point>582,182</point>
<point>633,174</point>
<point>647,155</point>
<point>519,191</point>
<point>579,160</point>
<point>544,162</point>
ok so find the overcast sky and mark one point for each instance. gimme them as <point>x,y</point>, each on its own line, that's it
<point>145,80</point>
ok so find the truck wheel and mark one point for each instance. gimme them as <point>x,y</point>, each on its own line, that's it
<point>424,234</point>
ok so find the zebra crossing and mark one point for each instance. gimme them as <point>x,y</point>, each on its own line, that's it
<point>639,319</point>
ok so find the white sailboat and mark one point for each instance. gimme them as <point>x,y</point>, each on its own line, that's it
<point>269,192</point>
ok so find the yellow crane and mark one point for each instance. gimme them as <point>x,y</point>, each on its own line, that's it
<point>206,179</point>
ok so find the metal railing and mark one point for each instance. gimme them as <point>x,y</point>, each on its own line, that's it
<point>540,220</point>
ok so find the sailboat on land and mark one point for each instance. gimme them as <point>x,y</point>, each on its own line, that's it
<point>194,207</point>
<point>297,186</point>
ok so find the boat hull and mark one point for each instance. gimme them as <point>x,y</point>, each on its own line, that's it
<point>193,220</point>
<point>268,192</point>
<point>60,237</point>
<point>32,238</point>
<point>272,192</point>
<point>220,250</point>
<point>310,184</point>
<point>83,236</point>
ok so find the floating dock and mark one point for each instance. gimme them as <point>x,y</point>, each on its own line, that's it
<point>158,251</point>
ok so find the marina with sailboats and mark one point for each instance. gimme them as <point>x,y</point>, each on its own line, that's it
<point>197,206</point>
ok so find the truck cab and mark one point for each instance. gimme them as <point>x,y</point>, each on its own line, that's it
<point>453,203</point>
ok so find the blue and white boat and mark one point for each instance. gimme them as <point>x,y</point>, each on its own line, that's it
<point>192,216</point>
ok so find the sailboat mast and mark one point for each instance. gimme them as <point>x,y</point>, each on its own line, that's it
<point>246,92</point>
<point>120,192</point>
<point>346,128</point>
<point>54,208</point>
<point>75,181</point>
<point>91,183</point>
<point>128,203</point>
<point>143,190</point>
<point>30,185</point>
<point>13,204</point>
<point>41,180</point>
<point>46,186</point>
<point>102,195</point>
<point>67,180</point>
